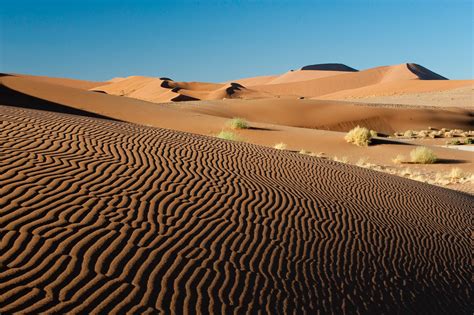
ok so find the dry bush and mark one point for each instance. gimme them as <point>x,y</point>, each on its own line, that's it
<point>399,159</point>
<point>280,146</point>
<point>359,136</point>
<point>238,123</point>
<point>343,159</point>
<point>423,155</point>
<point>227,135</point>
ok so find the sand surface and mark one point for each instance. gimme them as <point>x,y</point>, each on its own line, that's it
<point>104,216</point>
<point>316,126</point>
<point>117,197</point>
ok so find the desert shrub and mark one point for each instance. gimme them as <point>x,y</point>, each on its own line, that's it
<point>280,146</point>
<point>454,142</point>
<point>373,133</point>
<point>408,134</point>
<point>423,155</point>
<point>456,173</point>
<point>238,123</point>
<point>359,136</point>
<point>343,159</point>
<point>227,135</point>
<point>399,159</point>
<point>469,141</point>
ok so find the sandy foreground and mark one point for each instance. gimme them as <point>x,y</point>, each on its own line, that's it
<point>118,197</point>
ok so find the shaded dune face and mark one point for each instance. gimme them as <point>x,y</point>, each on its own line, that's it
<point>102,216</point>
<point>329,67</point>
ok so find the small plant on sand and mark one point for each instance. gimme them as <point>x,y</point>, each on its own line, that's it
<point>227,135</point>
<point>399,159</point>
<point>343,159</point>
<point>359,136</point>
<point>303,151</point>
<point>238,123</point>
<point>456,173</point>
<point>423,155</point>
<point>280,146</point>
<point>454,142</point>
<point>373,134</point>
<point>362,162</point>
<point>408,134</point>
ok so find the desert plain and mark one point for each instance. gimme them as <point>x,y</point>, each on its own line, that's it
<point>150,195</point>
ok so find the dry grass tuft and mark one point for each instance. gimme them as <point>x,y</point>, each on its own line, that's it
<point>423,155</point>
<point>238,123</point>
<point>280,146</point>
<point>359,136</point>
<point>227,135</point>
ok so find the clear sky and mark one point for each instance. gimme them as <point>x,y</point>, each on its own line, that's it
<point>224,40</point>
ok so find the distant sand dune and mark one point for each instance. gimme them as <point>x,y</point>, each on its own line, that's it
<point>99,216</point>
<point>165,90</point>
<point>368,79</point>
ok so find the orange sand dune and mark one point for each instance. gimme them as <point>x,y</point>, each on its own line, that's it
<point>331,115</point>
<point>303,74</point>
<point>166,90</point>
<point>79,84</point>
<point>99,216</point>
<point>255,80</point>
<point>399,88</point>
<point>272,120</point>
<point>350,80</point>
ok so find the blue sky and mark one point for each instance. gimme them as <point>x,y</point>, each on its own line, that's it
<point>224,40</point>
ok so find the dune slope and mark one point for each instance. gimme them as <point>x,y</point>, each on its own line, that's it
<point>103,216</point>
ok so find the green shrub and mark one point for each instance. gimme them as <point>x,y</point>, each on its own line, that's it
<point>227,135</point>
<point>423,155</point>
<point>454,142</point>
<point>359,136</point>
<point>238,123</point>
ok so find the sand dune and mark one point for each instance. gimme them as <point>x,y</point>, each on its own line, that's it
<point>456,97</point>
<point>160,90</point>
<point>351,80</point>
<point>399,88</point>
<point>101,216</point>
<point>78,84</point>
<point>328,81</point>
<point>335,116</point>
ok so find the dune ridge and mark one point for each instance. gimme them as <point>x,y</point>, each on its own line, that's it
<point>103,216</point>
<point>329,81</point>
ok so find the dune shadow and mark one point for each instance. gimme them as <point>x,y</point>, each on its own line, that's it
<point>450,161</point>
<point>261,129</point>
<point>379,141</point>
<point>15,98</point>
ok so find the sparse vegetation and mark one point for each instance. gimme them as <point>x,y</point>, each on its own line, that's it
<point>456,173</point>
<point>433,133</point>
<point>423,155</point>
<point>303,151</point>
<point>399,159</point>
<point>227,135</point>
<point>373,134</point>
<point>343,159</point>
<point>359,136</point>
<point>454,142</point>
<point>238,123</point>
<point>280,146</point>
